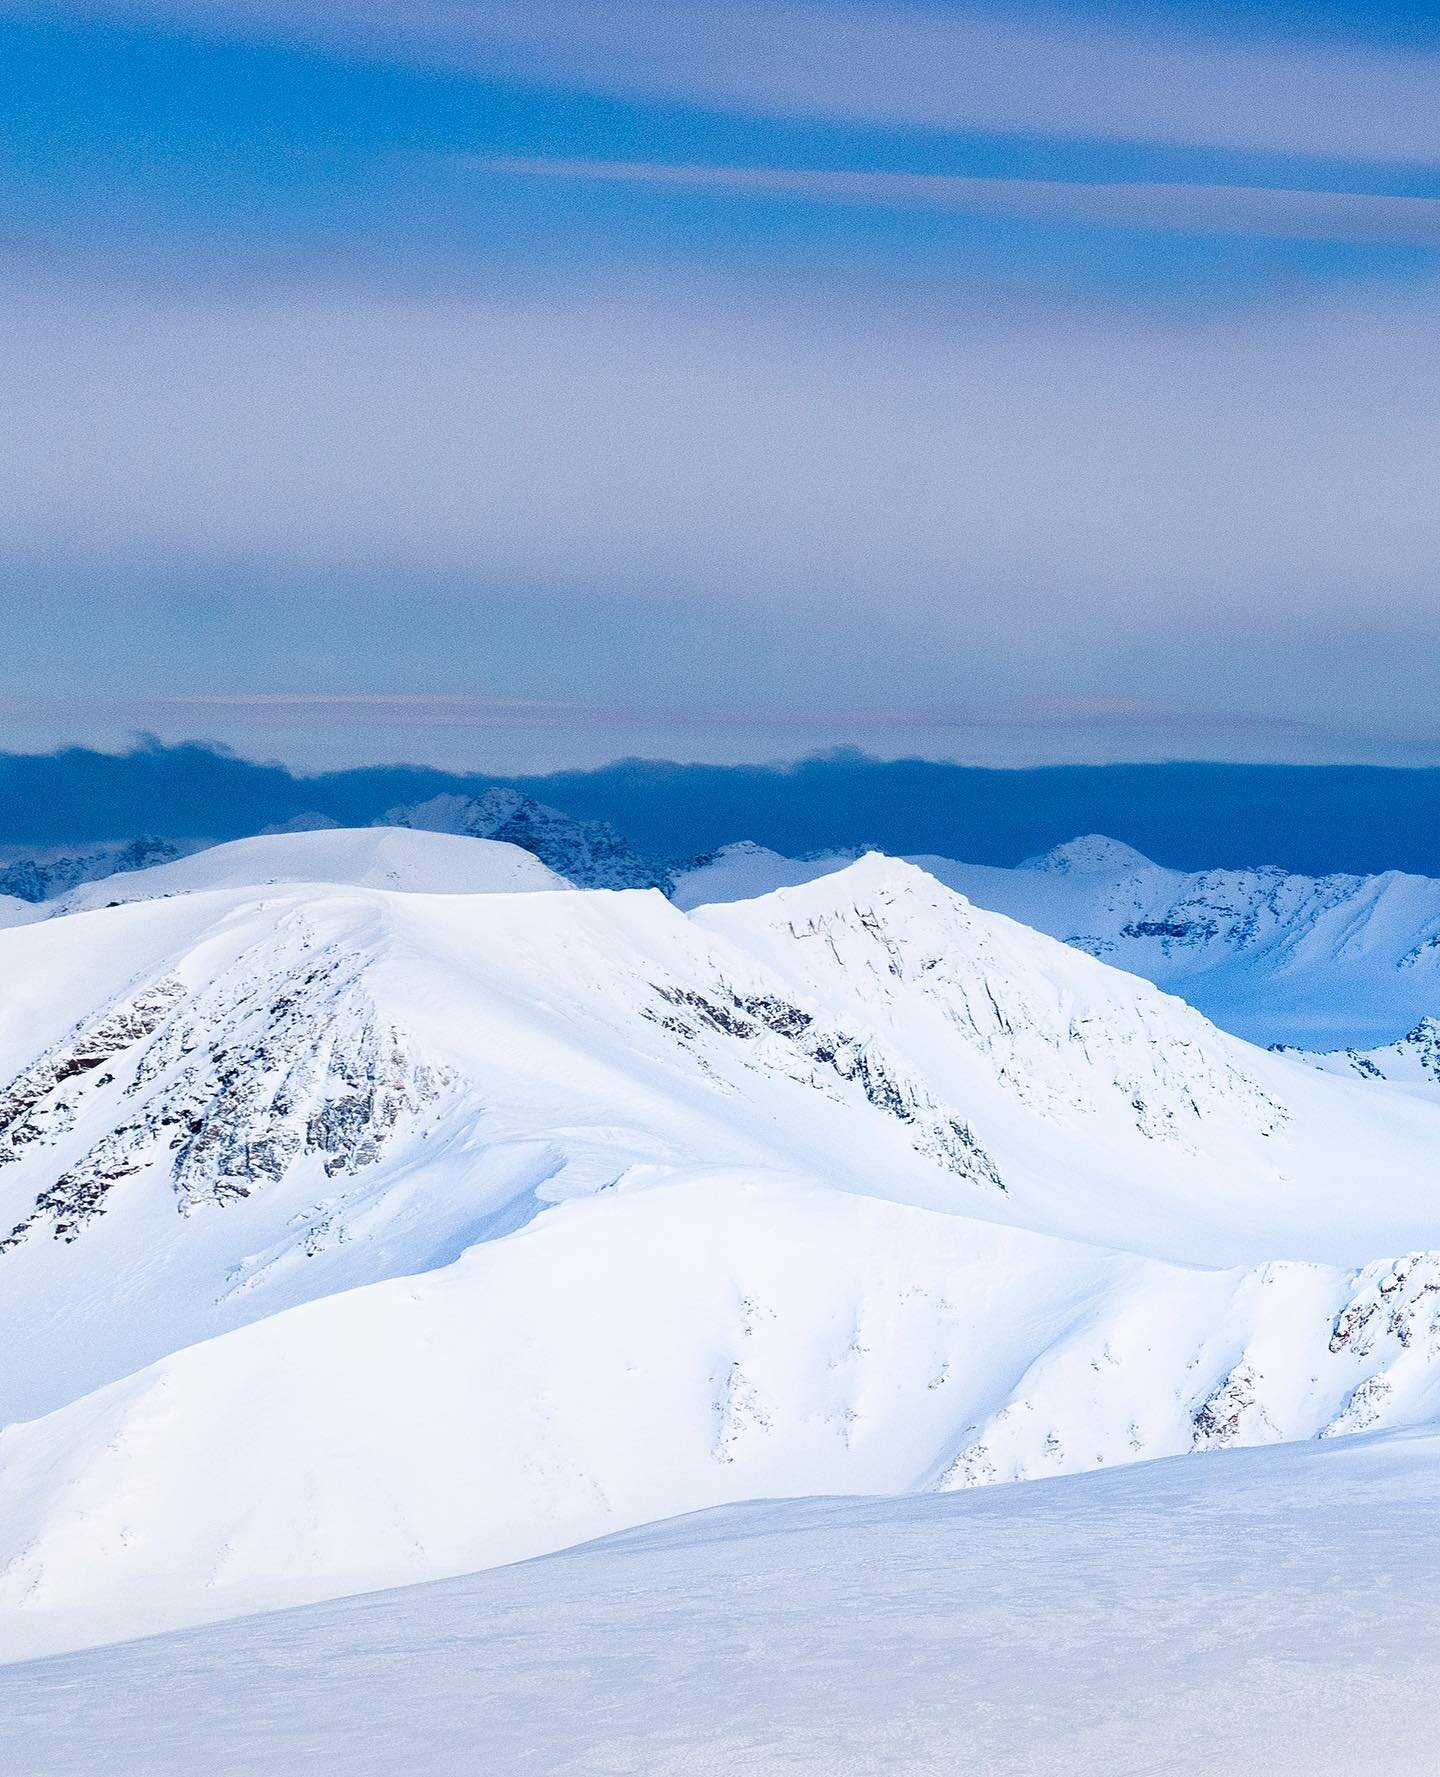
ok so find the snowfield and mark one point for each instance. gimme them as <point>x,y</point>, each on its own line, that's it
<point>382,857</point>
<point>1253,1611</point>
<point>373,1209</point>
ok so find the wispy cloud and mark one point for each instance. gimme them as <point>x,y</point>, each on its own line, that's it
<point>1044,71</point>
<point>1051,712</point>
<point>1182,208</point>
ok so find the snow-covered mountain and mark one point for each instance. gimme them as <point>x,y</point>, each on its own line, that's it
<point>1413,1060</point>
<point>1318,963</point>
<point>586,854</point>
<point>353,1236</point>
<point>590,854</point>
<point>1325,964</point>
<point>42,875</point>
<point>362,857</point>
<point>1263,1610</point>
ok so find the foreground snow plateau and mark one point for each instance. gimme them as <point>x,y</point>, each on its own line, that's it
<point>1259,1610</point>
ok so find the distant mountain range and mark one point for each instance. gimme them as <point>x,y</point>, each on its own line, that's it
<point>1337,963</point>
<point>1311,820</point>
<point>42,875</point>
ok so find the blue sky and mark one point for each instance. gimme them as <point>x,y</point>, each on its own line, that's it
<point>516,386</point>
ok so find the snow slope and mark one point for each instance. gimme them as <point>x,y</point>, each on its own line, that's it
<point>17,912</point>
<point>351,1236</point>
<point>1317,963</point>
<point>365,857</point>
<point>1262,1610</point>
<point>673,1346</point>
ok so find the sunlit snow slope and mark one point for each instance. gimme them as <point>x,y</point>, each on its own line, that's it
<point>1257,1611</point>
<point>1321,963</point>
<point>364,857</point>
<point>351,1236</point>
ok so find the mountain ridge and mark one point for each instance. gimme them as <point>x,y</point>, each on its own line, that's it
<point>853,1187</point>
<point>1313,820</point>
<point>1277,958</point>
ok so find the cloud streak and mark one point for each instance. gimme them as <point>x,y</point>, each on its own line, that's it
<point>1260,211</point>
<point>752,496</point>
<point>746,440</point>
<point>909,65</point>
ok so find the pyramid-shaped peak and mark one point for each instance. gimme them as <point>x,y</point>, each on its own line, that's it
<point>1093,854</point>
<point>870,892</point>
<point>476,816</point>
<point>871,872</point>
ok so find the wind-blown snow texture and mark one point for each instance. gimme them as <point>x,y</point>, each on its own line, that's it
<point>1257,1611</point>
<point>352,1235</point>
<point>1318,963</point>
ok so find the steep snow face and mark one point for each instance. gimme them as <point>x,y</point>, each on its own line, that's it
<point>281,1057</point>
<point>1263,1610</point>
<point>366,857</point>
<point>1275,957</point>
<point>904,952</point>
<point>590,854</point>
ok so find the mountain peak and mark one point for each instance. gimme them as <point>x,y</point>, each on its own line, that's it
<point>590,854</point>
<point>871,873</point>
<point>1093,854</point>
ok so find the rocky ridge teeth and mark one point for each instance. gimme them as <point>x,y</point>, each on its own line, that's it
<point>233,1086</point>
